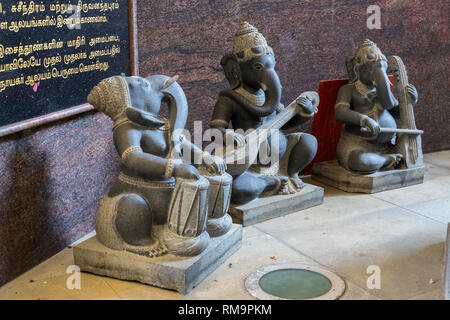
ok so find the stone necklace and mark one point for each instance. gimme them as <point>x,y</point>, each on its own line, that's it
<point>257,99</point>
<point>364,90</point>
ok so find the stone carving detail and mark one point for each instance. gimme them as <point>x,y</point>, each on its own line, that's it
<point>159,204</point>
<point>371,140</point>
<point>187,210</point>
<point>253,102</point>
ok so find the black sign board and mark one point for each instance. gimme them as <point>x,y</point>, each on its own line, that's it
<point>52,53</point>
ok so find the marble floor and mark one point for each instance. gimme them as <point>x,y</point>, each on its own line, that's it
<point>401,231</point>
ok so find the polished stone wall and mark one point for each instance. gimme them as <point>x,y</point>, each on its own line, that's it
<point>311,39</point>
<point>52,177</point>
<point>51,180</point>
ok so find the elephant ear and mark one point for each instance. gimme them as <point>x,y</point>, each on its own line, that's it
<point>351,69</point>
<point>232,70</point>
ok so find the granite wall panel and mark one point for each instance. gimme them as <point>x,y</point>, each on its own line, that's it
<point>52,177</point>
<point>51,180</point>
<point>311,39</point>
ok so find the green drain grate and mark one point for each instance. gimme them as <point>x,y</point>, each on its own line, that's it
<point>295,281</point>
<point>295,284</point>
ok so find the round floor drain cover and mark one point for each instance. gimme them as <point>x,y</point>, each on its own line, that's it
<point>295,281</point>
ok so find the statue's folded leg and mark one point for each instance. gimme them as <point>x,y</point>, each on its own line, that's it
<point>369,162</point>
<point>363,156</point>
<point>302,148</point>
<point>248,187</point>
<point>124,222</point>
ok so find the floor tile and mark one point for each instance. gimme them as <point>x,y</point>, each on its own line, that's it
<point>438,209</point>
<point>48,281</point>
<point>353,292</point>
<point>431,295</point>
<point>127,290</point>
<point>441,158</point>
<point>436,185</point>
<point>349,238</point>
<point>228,281</point>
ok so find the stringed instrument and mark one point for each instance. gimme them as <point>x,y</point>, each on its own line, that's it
<point>409,142</point>
<point>239,159</point>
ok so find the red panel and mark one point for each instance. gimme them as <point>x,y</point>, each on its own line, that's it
<point>325,128</point>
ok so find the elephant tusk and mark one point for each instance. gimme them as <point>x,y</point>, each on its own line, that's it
<point>169,81</point>
<point>263,86</point>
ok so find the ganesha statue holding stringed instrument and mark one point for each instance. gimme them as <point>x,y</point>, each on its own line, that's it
<point>380,147</point>
<point>368,108</point>
<point>252,107</point>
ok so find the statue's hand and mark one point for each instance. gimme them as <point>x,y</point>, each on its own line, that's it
<point>307,108</point>
<point>372,95</point>
<point>238,138</point>
<point>368,125</point>
<point>187,171</point>
<point>214,165</point>
<point>412,91</point>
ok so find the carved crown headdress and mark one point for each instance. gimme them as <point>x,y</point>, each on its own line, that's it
<point>111,96</point>
<point>249,43</point>
<point>368,51</point>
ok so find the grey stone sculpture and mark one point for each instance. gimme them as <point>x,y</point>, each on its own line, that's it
<point>164,222</point>
<point>253,102</point>
<point>371,144</point>
<point>158,203</point>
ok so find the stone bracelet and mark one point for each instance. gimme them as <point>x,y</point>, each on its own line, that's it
<point>345,104</point>
<point>129,151</point>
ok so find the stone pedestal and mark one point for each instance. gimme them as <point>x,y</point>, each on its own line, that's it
<point>275,206</point>
<point>332,174</point>
<point>168,271</point>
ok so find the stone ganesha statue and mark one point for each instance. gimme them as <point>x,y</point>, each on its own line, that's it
<point>158,204</point>
<point>252,102</point>
<point>371,140</point>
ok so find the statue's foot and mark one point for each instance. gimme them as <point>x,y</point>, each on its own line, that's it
<point>219,226</point>
<point>297,183</point>
<point>392,161</point>
<point>179,245</point>
<point>274,185</point>
<point>284,187</point>
<point>156,250</point>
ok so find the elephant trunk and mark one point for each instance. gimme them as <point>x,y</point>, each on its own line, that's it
<point>178,109</point>
<point>383,86</point>
<point>272,89</point>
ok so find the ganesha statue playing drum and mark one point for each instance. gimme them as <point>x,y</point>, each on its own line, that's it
<point>158,204</point>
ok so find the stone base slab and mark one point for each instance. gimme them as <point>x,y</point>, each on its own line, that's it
<point>275,206</point>
<point>332,174</point>
<point>168,271</point>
